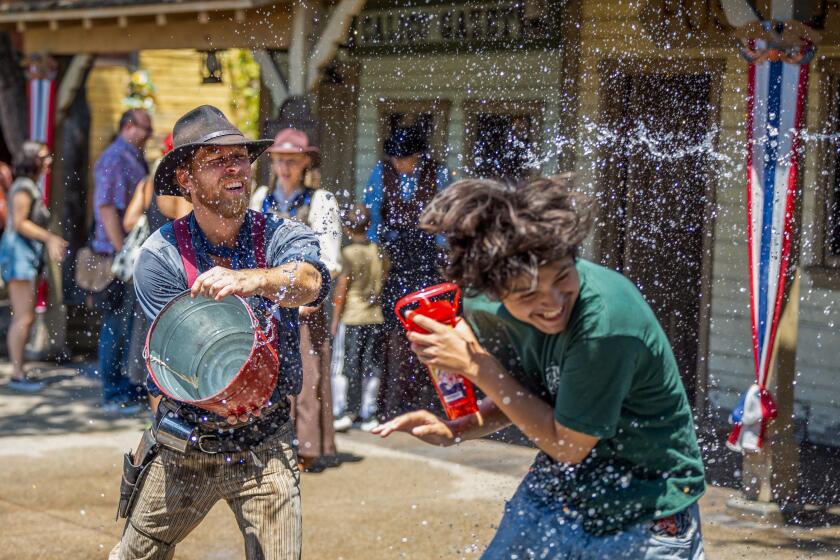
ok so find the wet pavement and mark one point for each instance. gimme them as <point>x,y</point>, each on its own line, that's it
<point>394,498</point>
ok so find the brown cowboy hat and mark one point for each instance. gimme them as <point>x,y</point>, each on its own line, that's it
<point>203,126</point>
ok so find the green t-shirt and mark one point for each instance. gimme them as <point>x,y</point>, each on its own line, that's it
<point>611,374</point>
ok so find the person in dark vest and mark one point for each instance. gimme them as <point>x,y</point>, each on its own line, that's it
<point>5,184</point>
<point>398,190</point>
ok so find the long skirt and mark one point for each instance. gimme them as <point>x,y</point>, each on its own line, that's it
<point>405,384</point>
<point>312,409</point>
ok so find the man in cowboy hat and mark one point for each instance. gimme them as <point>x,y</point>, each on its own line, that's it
<point>250,463</point>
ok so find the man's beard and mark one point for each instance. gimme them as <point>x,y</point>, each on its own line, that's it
<point>228,209</point>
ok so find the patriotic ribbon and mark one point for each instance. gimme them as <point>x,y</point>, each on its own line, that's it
<point>41,97</point>
<point>775,102</point>
<point>41,118</point>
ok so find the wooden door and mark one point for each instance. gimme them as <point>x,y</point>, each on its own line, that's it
<point>656,176</point>
<point>502,138</point>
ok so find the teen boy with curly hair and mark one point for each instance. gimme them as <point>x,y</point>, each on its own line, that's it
<point>569,352</point>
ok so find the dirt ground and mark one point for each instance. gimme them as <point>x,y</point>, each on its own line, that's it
<point>395,498</point>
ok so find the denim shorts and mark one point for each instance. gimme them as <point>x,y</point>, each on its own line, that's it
<point>533,529</point>
<point>20,258</point>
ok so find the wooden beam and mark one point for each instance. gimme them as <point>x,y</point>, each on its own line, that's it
<point>277,86</point>
<point>129,10</point>
<point>299,46</point>
<point>782,10</point>
<point>739,12</point>
<point>72,80</point>
<point>334,34</point>
<point>770,476</point>
<point>266,30</point>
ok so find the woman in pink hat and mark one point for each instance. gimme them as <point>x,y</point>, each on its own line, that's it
<point>294,193</point>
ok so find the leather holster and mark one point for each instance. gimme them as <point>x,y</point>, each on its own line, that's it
<point>135,466</point>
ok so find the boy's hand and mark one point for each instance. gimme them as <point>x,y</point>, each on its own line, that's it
<point>452,349</point>
<point>422,424</point>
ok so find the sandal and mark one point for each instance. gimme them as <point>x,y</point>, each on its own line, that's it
<point>25,385</point>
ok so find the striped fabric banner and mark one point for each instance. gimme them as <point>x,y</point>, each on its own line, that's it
<point>775,102</point>
<point>41,97</point>
<point>41,94</point>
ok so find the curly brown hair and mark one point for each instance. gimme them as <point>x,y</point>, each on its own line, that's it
<point>497,232</point>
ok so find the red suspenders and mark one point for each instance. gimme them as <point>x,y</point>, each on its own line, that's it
<point>187,250</point>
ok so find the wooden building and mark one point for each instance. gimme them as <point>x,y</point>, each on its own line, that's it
<point>86,43</point>
<point>689,81</point>
<point>645,100</point>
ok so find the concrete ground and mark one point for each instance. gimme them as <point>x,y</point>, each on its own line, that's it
<point>396,498</point>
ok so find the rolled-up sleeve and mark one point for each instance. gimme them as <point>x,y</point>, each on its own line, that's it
<point>295,243</point>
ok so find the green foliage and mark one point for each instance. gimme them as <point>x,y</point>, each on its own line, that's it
<point>242,74</point>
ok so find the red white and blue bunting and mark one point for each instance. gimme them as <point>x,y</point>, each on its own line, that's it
<point>777,91</point>
<point>41,95</point>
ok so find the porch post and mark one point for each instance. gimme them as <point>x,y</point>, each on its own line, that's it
<point>776,107</point>
<point>770,477</point>
<point>49,333</point>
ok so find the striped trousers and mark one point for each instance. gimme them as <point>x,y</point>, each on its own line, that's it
<point>261,486</point>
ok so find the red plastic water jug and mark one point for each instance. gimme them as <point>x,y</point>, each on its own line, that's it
<point>441,303</point>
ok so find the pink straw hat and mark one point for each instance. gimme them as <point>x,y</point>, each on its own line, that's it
<point>293,141</point>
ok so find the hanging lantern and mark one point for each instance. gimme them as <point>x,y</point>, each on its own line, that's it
<point>211,68</point>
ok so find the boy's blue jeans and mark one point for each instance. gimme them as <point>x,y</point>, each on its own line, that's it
<point>533,529</point>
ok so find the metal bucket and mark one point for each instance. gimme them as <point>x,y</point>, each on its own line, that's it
<point>211,354</point>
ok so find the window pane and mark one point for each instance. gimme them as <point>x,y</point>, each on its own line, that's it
<point>503,149</point>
